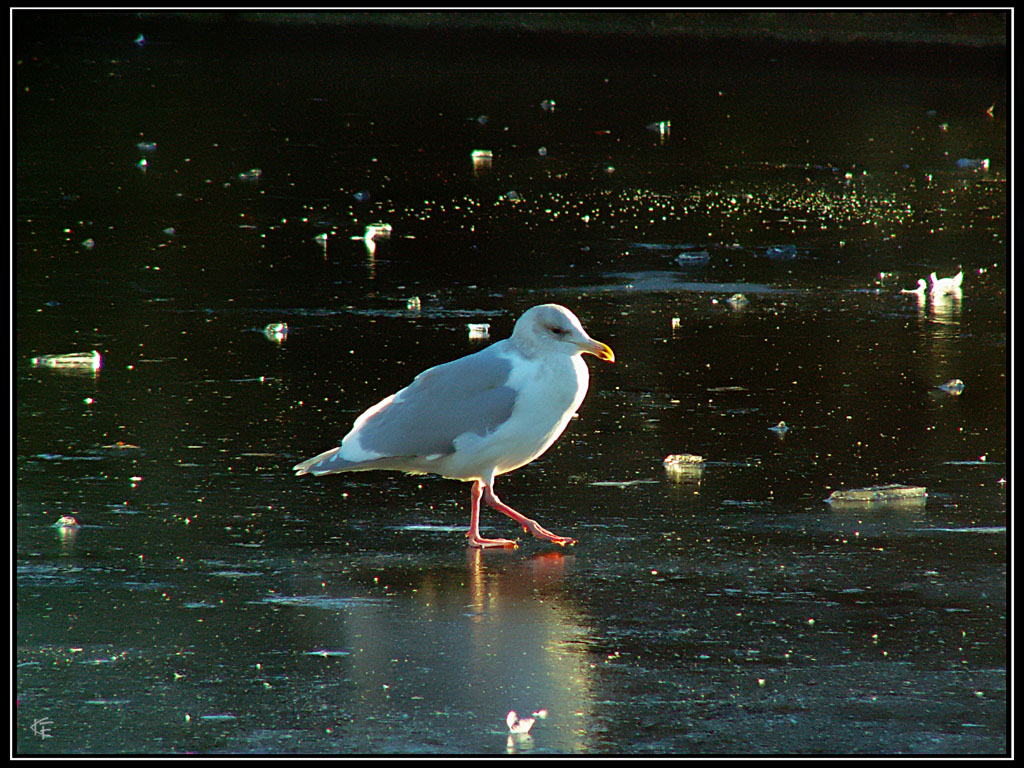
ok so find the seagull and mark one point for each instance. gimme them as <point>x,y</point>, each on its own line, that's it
<point>921,285</point>
<point>479,416</point>
<point>947,284</point>
<point>519,725</point>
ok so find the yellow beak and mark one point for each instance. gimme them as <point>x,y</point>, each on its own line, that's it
<point>600,350</point>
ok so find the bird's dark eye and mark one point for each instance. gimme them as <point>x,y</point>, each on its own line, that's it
<point>557,331</point>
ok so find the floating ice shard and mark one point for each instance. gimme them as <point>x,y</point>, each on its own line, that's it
<point>781,252</point>
<point>661,127</point>
<point>276,332</point>
<point>880,494</point>
<point>693,258</point>
<point>481,160</point>
<point>682,467</point>
<point>953,387</point>
<point>973,163</point>
<point>682,460</point>
<point>78,360</point>
<point>738,300</point>
<point>377,231</point>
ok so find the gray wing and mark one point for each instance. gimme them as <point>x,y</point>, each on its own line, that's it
<point>468,395</point>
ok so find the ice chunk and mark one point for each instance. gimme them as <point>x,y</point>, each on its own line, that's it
<point>621,483</point>
<point>880,494</point>
<point>482,159</point>
<point>781,252</point>
<point>738,300</point>
<point>276,332</point>
<point>973,163</point>
<point>78,360</point>
<point>953,386</point>
<point>377,231</point>
<point>682,467</point>
<point>693,258</point>
<point>682,460</point>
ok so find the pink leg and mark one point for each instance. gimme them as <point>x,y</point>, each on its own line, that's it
<point>475,540</point>
<point>528,525</point>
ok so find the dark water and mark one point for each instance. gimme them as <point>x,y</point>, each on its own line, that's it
<point>211,602</point>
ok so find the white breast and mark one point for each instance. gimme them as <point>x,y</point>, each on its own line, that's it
<point>550,391</point>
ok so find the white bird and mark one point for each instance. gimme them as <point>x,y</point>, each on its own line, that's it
<point>921,285</point>
<point>947,284</point>
<point>479,416</point>
<point>518,725</point>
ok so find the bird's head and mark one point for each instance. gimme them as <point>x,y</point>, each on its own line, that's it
<point>553,327</point>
